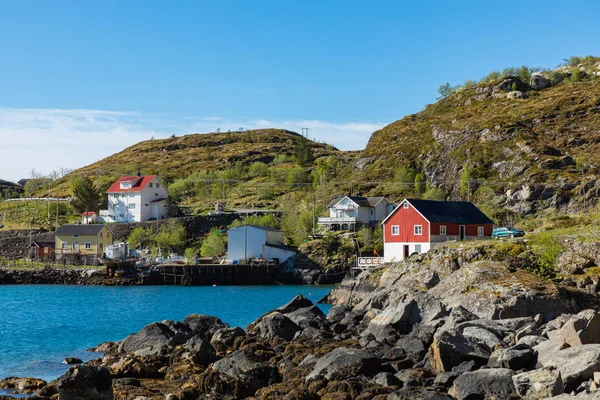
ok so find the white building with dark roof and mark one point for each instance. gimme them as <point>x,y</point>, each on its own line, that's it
<point>257,242</point>
<point>352,212</point>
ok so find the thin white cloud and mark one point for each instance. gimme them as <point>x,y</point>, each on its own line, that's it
<point>48,139</point>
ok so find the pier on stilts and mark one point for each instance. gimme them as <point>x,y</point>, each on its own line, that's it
<point>216,274</point>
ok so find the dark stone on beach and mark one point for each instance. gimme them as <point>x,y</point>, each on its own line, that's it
<point>200,350</point>
<point>386,379</point>
<point>297,302</point>
<point>308,317</point>
<point>240,374</point>
<point>484,383</point>
<point>517,357</point>
<point>204,325</point>
<point>275,325</point>
<point>22,384</point>
<point>338,312</point>
<point>224,337</point>
<point>344,363</point>
<point>156,338</point>
<point>127,382</point>
<point>84,382</point>
<point>72,361</point>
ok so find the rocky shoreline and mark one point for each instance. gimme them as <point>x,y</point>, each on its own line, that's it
<point>97,277</point>
<point>467,323</point>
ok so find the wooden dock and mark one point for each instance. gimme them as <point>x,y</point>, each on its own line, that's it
<point>215,274</point>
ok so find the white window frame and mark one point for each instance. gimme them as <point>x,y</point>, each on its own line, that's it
<point>65,245</point>
<point>87,245</point>
<point>418,248</point>
<point>157,185</point>
<point>442,230</point>
<point>420,230</point>
<point>131,206</point>
<point>405,204</point>
<point>480,231</point>
<point>150,184</point>
<point>75,236</point>
<point>397,228</point>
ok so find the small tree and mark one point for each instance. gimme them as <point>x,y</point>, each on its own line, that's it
<point>190,254</point>
<point>419,180</point>
<point>214,244</point>
<point>445,90</point>
<point>365,236</point>
<point>465,179</point>
<point>87,196</point>
<point>139,237</point>
<point>303,153</point>
<point>171,236</point>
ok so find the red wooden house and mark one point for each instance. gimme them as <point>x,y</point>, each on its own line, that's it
<point>415,226</point>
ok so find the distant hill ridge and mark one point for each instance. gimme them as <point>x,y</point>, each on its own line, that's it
<point>521,140</point>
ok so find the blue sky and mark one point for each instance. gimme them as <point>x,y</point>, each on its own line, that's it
<point>111,73</point>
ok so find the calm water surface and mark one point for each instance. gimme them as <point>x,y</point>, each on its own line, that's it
<point>40,325</point>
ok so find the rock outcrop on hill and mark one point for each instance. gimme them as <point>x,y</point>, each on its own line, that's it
<point>459,323</point>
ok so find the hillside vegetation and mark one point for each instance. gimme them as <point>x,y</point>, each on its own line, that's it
<point>510,144</point>
<point>519,142</point>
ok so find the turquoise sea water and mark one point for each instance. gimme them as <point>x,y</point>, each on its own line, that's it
<point>40,325</point>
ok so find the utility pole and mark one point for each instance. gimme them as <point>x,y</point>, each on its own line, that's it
<point>56,225</point>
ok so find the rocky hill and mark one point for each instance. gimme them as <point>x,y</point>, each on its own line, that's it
<point>527,142</point>
<point>180,156</point>
<point>516,143</point>
<point>9,189</point>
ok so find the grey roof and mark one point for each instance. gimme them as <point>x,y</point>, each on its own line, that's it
<point>77,229</point>
<point>374,200</point>
<point>360,200</point>
<point>457,212</point>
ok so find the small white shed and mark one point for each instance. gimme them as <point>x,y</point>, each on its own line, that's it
<point>251,241</point>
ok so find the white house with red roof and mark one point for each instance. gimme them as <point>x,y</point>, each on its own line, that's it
<point>88,217</point>
<point>136,199</point>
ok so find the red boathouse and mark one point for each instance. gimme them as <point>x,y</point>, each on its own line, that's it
<point>415,226</point>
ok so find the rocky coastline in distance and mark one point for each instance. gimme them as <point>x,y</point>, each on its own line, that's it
<point>456,323</point>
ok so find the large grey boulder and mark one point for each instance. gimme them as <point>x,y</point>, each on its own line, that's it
<point>539,81</point>
<point>199,350</point>
<point>338,312</point>
<point>581,328</point>
<point>401,318</point>
<point>225,337</point>
<point>84,382</point>
<point>516,357</point>
<point>239,374</point>
<point>548,350</point>
<point>391,320</point>
<point>297,302</point>
<point>204,325</point>
<point>575,364</point>
<point>538,384</point>
<point>275,325</point>
<point>344,363</point>
<point>156,337</point>
<point>308,317</point>
<point>450,348</point>
<point>493,383</point>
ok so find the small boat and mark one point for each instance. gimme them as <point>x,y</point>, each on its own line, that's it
<point>172,259</point>
<point>119,257</point>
